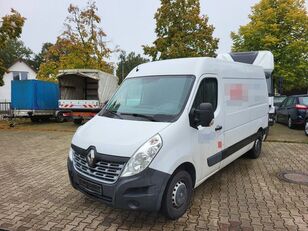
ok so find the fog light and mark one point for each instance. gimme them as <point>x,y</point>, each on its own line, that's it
<point>133,204</point>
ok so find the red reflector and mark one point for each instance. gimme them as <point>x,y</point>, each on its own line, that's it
<point>299,106</point>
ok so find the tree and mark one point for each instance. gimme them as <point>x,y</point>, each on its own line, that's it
<point>15,50</point>
<point>181,31</point>
<point>10,28</point>
<point>40,57</point>
<point>81,45</point>
<point>127,63</point>
<point>280,26</point>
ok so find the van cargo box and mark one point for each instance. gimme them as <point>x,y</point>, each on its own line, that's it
<point>34,95</point>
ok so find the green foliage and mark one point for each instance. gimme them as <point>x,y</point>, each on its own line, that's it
<point>14,50</point>
<point>40,57</point>
<point>127,63</point>
<point>181,31</point>
<point>81,45</point>
<point>10,28</point>
<point>280,26</point>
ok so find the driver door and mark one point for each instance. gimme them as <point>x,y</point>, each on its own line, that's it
<point>210,139</point>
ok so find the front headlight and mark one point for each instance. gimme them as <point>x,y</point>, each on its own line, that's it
<point>143,156</point>
<point>70,154</point>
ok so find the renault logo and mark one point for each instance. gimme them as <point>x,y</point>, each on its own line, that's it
<point>91,158</point>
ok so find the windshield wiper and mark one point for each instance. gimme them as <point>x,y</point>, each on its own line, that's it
<point>114,113</point>
<point>148,117</point>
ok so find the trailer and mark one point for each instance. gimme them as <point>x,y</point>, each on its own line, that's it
<point>34,99</point>
<point>83,93</point>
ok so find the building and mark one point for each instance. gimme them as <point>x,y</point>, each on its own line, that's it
<point>18,71</point>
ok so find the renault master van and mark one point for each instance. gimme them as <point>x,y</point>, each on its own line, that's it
<point>170,126</point>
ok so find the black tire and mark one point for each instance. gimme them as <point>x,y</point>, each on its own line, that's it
<point>77,121</point>
<point>255,152</point>
<point>178,194</point>
<point>60,118</point>
<point>290,123</point>
<point>306,128</point>
<point>34,119</point>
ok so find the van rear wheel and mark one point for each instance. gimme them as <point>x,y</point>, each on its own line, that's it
<point>177,196</point>
<point>255,152</point>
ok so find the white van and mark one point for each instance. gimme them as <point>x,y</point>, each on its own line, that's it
<point>170,126</point>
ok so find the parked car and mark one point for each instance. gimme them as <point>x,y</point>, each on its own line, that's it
<point>278,99</point>
<point>293,110</point>
<point>170,126</point>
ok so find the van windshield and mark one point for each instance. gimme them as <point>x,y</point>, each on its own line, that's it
<point>152,98</point>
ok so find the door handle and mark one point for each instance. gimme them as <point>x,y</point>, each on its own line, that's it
<point>218,127</point>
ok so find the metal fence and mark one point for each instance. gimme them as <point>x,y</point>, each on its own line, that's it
<point>5,108</point>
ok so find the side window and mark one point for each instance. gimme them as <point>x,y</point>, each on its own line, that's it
<point>284,102</point>
<point>20,75</point>
<point>207,93</point>
<point>16,75</point>
<point>290,101</point>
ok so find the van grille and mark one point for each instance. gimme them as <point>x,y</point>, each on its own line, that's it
<point>104,171</point>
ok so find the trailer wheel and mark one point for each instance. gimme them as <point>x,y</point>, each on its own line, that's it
<point>60,118</point>
<point>34,119</point>
<point>77,121</point>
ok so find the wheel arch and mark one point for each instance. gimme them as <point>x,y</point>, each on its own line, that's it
<point>190,168</point>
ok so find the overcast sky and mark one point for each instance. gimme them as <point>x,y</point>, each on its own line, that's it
<point>129,24</point>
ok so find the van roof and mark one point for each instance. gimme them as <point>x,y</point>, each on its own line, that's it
<point>197,67</point>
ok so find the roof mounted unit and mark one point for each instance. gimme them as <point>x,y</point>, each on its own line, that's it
<point>265,59</point>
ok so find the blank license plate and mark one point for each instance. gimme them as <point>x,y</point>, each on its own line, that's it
<point>90,186</point>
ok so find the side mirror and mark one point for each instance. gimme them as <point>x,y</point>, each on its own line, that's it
<point>203,115</point>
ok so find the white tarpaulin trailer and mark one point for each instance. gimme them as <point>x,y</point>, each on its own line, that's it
<point>83,91</point>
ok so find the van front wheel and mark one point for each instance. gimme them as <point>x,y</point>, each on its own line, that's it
<point>177,195</point>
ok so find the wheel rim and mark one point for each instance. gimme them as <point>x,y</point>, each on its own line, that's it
<point>179,194</point>
<point>290,122</point>
<point>306,127</point>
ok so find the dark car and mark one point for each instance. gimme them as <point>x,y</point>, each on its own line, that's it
<point>292,111</point>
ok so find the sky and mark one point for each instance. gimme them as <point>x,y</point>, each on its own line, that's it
<point>129,24</point>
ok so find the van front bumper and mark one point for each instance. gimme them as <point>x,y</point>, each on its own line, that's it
<point>143,191</point>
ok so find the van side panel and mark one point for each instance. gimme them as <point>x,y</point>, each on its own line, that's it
<point>246,110</point>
